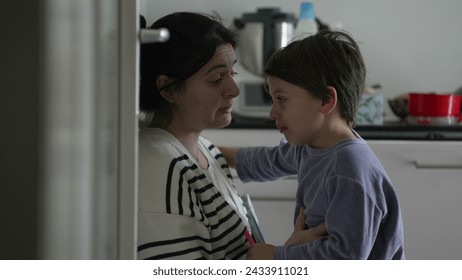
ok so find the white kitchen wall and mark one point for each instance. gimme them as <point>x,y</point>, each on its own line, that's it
<point>408,45</point>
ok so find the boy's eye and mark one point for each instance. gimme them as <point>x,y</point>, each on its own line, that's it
<point>280,99</point>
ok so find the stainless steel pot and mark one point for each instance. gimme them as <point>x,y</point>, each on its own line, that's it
<point>260,34</point>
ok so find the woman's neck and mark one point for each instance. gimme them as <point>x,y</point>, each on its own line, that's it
<point>190,140</point>
<point>188,137</point>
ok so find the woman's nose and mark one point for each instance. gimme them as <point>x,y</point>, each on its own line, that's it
<point>232,89</point>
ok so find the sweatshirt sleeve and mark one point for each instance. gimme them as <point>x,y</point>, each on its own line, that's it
<point>352,220</point>
<point>266,163</point>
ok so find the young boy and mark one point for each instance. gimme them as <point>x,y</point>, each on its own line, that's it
<point>315,85</point>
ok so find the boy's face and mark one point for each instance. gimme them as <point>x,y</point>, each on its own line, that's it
<point>297,113</point>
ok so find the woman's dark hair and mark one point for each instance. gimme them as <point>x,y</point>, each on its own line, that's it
<point>192,43</point>
<point>328,58</point>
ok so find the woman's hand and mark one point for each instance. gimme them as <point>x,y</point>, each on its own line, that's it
<point>261,251</point>
<point>301,234</point>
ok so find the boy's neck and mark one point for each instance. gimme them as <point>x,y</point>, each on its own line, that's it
<point>334,133</point>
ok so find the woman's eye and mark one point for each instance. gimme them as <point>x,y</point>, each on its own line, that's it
<point>217,79</point>
<point>220,77</point>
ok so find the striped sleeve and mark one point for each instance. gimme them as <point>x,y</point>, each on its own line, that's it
<point>221,160</point>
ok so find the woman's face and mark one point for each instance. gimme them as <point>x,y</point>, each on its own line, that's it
<point>207,98</point>
<point>297,112</point>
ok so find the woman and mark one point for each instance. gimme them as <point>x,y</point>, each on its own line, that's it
<point>188,206</point>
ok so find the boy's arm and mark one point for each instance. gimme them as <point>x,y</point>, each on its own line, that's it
<point>230,155</point>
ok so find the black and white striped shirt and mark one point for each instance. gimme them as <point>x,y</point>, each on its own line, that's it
<point>182,214</point>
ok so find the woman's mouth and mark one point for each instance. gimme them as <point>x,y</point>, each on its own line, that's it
<point>227,109</point>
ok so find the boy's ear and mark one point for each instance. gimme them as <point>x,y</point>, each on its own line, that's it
<point>329,104</point>
<point>162,80</point>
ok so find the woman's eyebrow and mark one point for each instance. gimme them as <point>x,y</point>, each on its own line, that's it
<point>224,65</point>
<point>215,67</point>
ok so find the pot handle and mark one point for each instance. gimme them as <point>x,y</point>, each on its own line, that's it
<point>154,35</point>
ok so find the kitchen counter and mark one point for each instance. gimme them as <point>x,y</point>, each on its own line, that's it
<point>396,131</point>
<point>387,131</point>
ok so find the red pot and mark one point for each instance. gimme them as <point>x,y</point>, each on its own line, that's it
<point>434,105</point>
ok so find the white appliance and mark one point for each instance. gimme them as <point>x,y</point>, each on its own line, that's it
<point>260,34</point>
<point>253,100</point>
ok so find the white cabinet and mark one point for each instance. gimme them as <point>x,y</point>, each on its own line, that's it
<point>426,174</point>
<point>428,178</point>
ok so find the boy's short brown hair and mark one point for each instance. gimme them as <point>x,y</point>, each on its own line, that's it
<point>328,58</point>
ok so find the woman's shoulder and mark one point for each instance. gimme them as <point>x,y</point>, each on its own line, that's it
<point>156,140</point>
<point>159,151</point>
<point>146,134</point>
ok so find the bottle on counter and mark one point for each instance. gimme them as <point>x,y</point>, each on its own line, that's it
<point>306,24</point>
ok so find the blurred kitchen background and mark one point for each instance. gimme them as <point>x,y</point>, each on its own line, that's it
<point>68,82</point>
<point>411,45</point>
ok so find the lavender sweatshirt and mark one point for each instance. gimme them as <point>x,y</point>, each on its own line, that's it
<point>344,186</point>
